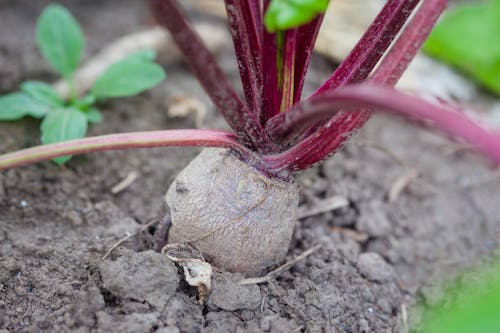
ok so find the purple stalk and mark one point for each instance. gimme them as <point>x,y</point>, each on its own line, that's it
<point>403,51</point>
<point>306,37</point>
<point>371,47</point>
<point>241,119</point>
<point>150,139</point>
<point>287,80</point>
<point>385,99</point>
<point>270,101</point>
<point>245,18</point>
<point>369,50</point>
<point>288,54</point>
<point>339,128</point>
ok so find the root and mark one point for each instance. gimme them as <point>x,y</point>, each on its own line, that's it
<point>240,220</point>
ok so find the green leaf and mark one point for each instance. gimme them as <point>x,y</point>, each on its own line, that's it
<point>60,39</point>
<point>42,92</point>
<point>63,125</point>
<point>130,76</point>
<point>18,105</point>
<point>470,305</point>
<point>468,37</point>
<point>142,55</point>
<point>84,103</point>
<point>94,116</point>
<point>288,14</point>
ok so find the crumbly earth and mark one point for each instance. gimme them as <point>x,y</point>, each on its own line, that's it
<point>377,257</point>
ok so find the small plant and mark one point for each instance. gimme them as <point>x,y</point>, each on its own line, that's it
<point>469,303</point>
<point>61,42</point>
<point>238,205</point>
<point>467,37</point>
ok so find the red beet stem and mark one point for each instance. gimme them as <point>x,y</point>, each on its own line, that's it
<point>370,48</point>
<point>238,115</point>
<point>150,139</point>
<point>245,19</point>
<point>270,101</point>
<point>332,135</point>
<point>306,37</point>
<point>387,99</point>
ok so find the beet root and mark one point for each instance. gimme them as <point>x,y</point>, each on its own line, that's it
<point>241,220</point>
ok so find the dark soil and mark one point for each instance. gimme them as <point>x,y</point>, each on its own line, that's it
<point>377,257</point>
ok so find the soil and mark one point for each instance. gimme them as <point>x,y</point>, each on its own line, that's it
<point>378,257</point>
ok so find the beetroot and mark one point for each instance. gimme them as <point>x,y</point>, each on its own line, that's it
<point>240,219</point>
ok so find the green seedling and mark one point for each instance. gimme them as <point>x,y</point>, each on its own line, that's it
<point>470,304</point>
<point>61,42</point>
<point>468,37</point>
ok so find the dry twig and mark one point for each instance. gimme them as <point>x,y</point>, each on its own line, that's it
<point>126,238</point>
<point>401,183</point>
<point>322,206</point>
<point>125,183</point>
<point>283,267</point>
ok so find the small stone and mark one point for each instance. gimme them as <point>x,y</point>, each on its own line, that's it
<point>145,276</point>
<point>374,267</point>
<point>228,295</point>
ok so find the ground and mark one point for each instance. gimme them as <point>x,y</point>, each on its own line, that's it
<point>377,258</point>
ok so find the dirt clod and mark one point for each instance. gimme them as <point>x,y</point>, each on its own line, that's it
<point>229,295</point>
<point>374,267</point>
<point>145,276</point>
